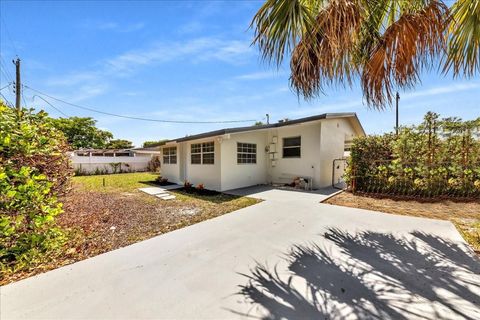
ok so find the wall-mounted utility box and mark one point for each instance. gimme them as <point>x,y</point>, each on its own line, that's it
<point>272,147</point>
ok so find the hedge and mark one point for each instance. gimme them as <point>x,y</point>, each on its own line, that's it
<point>34,171</point>
<point>438,158</point>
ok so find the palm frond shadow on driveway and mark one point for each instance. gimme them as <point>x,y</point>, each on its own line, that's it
<point>376,276</point>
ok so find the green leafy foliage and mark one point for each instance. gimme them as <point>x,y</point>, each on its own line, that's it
<point>158,143</point>
<point>34,170</point>
<point>435,158</point>
<point>82,132</point>
<point>119,144</point>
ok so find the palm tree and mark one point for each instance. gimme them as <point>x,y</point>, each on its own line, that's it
<point>384,43</point>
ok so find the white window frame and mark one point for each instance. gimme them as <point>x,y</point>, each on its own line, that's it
<point>292,147</point>
<point>169,154</point>
<point>199,152</point>
<point>347,146</point>
<point>246,153</point>
<point>203,149</point>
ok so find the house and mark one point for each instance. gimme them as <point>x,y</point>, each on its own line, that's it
<point>91,161</point>
<point>272,153</point>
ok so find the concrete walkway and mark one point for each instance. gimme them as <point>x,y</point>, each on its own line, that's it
<point>278,259</point>
<point>161,192</point>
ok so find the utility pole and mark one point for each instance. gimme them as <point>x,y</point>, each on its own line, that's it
<point>18,84</point>
<point>268,118</point>
<point>397,98</point>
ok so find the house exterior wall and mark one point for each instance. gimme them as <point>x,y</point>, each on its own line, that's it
<point>234,175</point>
<point>334,133</point>
<point>283,170</point>
<point>172,171</point>
<point>322,141</point>
<point>207,174</point>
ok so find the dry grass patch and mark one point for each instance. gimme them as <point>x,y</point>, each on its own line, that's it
<point>464,215</point>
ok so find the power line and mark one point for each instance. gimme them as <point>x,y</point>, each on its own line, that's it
<point>8,85</point>
<point>6,100</point>
<point>51,105</point>
<point>9,37</point>
<point>5,71</point>
<point>23,98</point>
<point>5,75</point>
<point>134,118</point>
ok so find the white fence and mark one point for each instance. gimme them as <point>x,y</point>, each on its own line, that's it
<point>101,165</point>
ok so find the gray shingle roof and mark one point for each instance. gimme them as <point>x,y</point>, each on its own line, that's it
<point>267,126</point>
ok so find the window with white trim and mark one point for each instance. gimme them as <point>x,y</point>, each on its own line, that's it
<point>196,153</point>
<point>170,155</point>
<point>202,153</point>
<point>348,145</point>
<point>246,153</point>
<point>292,147</point>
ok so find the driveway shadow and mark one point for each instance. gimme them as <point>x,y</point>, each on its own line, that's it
<point>369,275</point>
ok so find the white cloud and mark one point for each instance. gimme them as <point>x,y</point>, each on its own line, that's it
<point>95,82</point>
<point>260,75</point>
<point>442,90</point>
<point>199,49</point>
<point>113,26</point>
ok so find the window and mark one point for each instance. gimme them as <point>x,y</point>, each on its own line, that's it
<point>170,155</point>
<point>246,153</point>
<point>348,145</point>
<point>208,153</point>
<point>203,153</point>
<point>196,154</point>
<point>291,147</point>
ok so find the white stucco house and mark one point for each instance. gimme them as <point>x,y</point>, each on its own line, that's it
<point>272,153</point>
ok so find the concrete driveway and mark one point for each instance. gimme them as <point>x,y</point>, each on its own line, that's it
<point>289,257</point>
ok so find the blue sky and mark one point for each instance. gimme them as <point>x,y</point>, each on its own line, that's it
<point>180,61</point>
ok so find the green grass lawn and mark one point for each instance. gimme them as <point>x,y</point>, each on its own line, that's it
<point>130,182</point>
<point>122,182</point>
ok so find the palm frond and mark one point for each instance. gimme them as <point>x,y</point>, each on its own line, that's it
<point>463,53</point>
<point>280,24</point>
<point>408,45</point>
<point>323,56</point>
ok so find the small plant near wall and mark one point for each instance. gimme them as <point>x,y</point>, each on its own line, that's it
<point>200,186</point>
<point>162,181</point>
<point>154,164</point>
<point>116,167</point>
<point>187,185</point>
<point>80,172</point>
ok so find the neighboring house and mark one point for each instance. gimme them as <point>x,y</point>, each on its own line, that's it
<point>88,161</point>
<point>273,153</point>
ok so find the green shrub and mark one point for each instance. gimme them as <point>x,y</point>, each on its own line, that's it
<point>34,171</point>
<point>435,158</point>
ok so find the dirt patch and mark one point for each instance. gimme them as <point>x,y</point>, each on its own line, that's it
<point>98,222</point>
<point>465,215</point>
